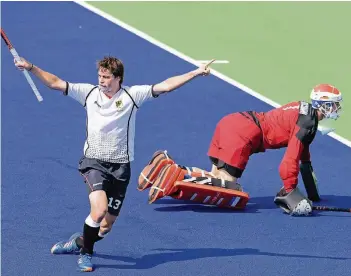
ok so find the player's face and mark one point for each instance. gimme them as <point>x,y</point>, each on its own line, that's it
<point>336,110</point>
<point>107,81</point>
<point>337,107</point>
<point>331,110</point>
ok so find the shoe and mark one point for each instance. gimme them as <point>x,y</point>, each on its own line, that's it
<point>84,263</point>
<point>68,247</point>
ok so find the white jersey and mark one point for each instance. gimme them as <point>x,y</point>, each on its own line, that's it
<point>110,121</point>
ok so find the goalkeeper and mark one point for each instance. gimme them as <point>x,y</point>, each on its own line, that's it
<point>239,135</point>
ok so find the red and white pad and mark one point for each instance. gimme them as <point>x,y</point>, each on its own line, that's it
<point>210,195</point>
<point>170,182</point>
<point>158,161</point>
<point>164,183</point>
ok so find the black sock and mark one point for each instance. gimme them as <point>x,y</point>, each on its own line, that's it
<point>101,235</point>
<point>90,233</point>
<point>98,238</point>
<point>80,242</point>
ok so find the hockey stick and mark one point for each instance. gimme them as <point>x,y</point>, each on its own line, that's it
<point>25,72</point>
<point>331,209</point>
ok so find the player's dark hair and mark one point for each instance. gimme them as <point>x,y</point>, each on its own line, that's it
<point>114,65</point>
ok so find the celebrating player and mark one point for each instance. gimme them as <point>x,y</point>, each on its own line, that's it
<point>236,137</point>
<point>109,147</point>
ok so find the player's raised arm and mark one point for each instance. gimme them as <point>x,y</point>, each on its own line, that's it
<point>50,80</point>
<point>175,82</point>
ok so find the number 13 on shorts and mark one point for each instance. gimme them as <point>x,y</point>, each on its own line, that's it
<point>114,203</point>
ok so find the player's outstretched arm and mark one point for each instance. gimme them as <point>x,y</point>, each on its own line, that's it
<point>50,80</point>
<point>173,83</point>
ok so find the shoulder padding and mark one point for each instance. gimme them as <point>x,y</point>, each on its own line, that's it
<point>307,122</point>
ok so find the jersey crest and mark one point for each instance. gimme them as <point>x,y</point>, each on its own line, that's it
<point>119,105</point>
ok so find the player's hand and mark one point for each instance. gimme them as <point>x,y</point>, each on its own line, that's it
<point>204,69</point>
<point>23,64</point>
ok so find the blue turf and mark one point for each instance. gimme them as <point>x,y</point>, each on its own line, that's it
<point>44,200</point>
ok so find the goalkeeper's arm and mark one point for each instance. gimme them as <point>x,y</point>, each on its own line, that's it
<point>309,180</point>
<point>308,176</point>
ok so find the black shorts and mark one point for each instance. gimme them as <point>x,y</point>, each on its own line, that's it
<point>113,178</point>
<point>233,171</point>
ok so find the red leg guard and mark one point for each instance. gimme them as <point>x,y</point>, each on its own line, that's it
<point>210,195</point>
<point>159,160</point>
<point>164,184</point>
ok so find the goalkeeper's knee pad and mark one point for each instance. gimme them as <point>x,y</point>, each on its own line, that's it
<point>164,183</point>
<point>148,175</point>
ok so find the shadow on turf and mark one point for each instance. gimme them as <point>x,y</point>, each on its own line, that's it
<point>254,206</point>
<point>166,255</point>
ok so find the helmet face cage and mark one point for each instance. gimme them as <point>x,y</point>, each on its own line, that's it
<point>331,110</point>
<point>327,99</point>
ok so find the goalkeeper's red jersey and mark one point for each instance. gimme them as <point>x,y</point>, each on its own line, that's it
<point>239,135</point>
<point>294,126</point>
